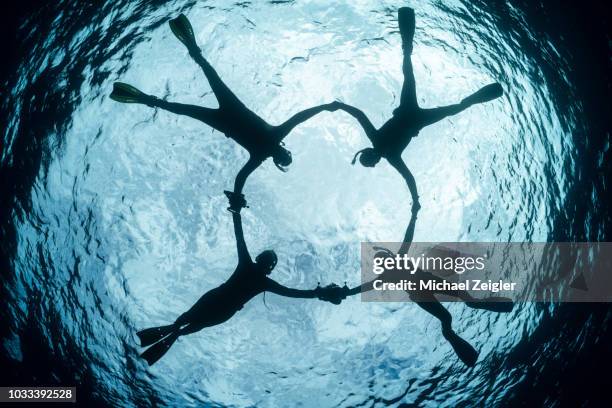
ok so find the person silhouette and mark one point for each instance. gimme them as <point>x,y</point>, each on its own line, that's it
<point>221,303</point>
<point>232,117</point>
<point>427,299</point>
<point>408,119</point>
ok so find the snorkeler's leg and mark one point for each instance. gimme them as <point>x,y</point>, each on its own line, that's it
<point>212,117</point>
<point>181,27</point>
<point>463,349</point>
<point>485,94</point>
<point>433,115</point>
<point>211,309</point>
<point>492,303</point>
<point>224,95</point>
<point>405,17</point>
<point>204,319</point>
<point>128,94</point>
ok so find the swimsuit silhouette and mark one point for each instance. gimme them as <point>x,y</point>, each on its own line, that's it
<point>220,304</point>
<point>427,300</point>
<point>408,119</point>
<point>232,118</point>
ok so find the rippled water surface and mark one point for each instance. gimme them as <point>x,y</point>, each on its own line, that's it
<point>120,222</point>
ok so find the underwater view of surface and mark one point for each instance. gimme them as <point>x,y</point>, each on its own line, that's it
<point>114,217</point>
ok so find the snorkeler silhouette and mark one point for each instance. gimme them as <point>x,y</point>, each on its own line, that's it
<point>220,304</point>
<point>232,117</point>
<point>408,119</point>
<point>427,300</point>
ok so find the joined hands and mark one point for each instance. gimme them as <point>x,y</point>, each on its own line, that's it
<point>332,293</point>
<point>236,201</point>
<point>334,106</point>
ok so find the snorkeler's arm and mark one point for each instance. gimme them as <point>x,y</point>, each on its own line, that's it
<point>281,290</point>
<point>289,124</point>
<point>400,166</point>
<point>244,173</point>
<point>365,287</point>
<point>243,252</point>
<point>409,236</point>
<point>368,286</point>
<point>361,117</point>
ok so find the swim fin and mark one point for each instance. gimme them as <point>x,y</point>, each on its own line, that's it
<point>493,304</point>
<point>463,349</point>
<point>125,93</point>
<point>181,27</point>
<point>405,19</point>
<point>484,94</point>
<point>154,334</point>
<point>157,351</point>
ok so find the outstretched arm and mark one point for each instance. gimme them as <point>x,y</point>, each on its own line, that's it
<point>361,117</point>
<point>366,287</point>
<point>285,128</point>
<point>409,236</point>
<point>279,289</point>
<point>244,173</point>
<point>243,252</point>
<point>400,166</point>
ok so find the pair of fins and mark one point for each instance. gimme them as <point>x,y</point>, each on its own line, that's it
<point>160,339</point>
<point>464,350</point>
<point>182,29</point>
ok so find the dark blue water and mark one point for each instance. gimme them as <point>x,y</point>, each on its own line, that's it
<point>113,215</point>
